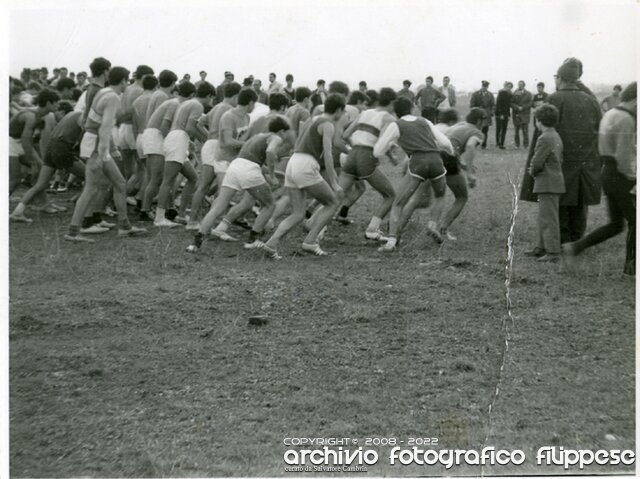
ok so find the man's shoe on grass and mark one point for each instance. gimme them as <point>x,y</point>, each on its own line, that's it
<point>549,258</point>
<point>222,235</point>
<point>133,231</point>
<point>536,252</point>
<point>20,219</point>
<point>78,239</point>
<point>314,249</point>
<point>93,230</point>
<point>165,223</point>
<point>375,235</point>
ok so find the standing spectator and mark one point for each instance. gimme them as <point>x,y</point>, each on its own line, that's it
<point>274,86</point>
<point>612,100</point>
<point>203,79</point>
<point>186,78</point>
<point>228,78</point>
<point>320,95</point>
<point>428,99</point>
<point>289,90</point>
<point>362,86</point>
<point>578,127</point>
<point>539,99</point>
<point>405,92</point>
<point>56,75</point>
<point>617,147</point>
<point>82,81</point>
<point>44,73</point>
<point>503,112</point>
<point>521,106</point>
<point>546,168</point>
<point>262,95</point>
<point>62,73</point>
<point>449,91</point>
<point>483,98</point>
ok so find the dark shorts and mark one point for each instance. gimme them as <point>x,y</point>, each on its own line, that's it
<point>360,163</point>
<point>426,166</point>
<point>60,155</point>
<point>451,163</point>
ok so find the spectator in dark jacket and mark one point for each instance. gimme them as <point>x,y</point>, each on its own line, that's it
<point>503,112</point>
<point>521,106</point>
<point>580,116</point>
<point>617,146</point>
<point>484,99</point>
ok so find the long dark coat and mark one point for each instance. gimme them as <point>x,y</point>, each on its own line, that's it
<point>578,127</point>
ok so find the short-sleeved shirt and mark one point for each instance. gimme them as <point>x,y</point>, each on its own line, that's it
<point>237,123</point>
<point>165,111</point>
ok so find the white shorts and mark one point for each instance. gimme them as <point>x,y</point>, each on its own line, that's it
<point>208,153</point>
<point>125,137</point>
<point>243,174</point>
<point>15,147</point>
<point>152,142</point>
<point>176,146</point>
<point>88,144</point>
<point>139,147</point>
<point>302,171</point>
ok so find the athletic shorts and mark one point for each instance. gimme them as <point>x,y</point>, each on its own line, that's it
<point>15,147</point>
<point>126,138</point>
<point>88,144</point>
<point>152,142</point>
<point>243,174</point>
<point>140,147</point>
<point>302,171</point>
<point>360,163</point>
<point>60,155</point>
<point>176,146</point>
<point>451,163</point>
<point>426,166</point>
<point>208,156</point>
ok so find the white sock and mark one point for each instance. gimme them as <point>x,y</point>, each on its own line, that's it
<point>159,214</point>
<point>392,241</point>
<point>223,226</point>
<point>374,224</point>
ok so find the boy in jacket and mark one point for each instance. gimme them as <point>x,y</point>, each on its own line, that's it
<point>546,169</point>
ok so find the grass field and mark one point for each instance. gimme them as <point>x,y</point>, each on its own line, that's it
<point>133,358</point>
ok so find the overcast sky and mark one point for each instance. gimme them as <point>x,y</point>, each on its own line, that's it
<point>382,42</point>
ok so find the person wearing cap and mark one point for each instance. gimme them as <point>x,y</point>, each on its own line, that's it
<point>484,99</point>
<point>228,78</point>
<point>617,147</point>
<point>521,107</point>
<point>580,116</point>
<point>612,100</point>
<point>405,92</point>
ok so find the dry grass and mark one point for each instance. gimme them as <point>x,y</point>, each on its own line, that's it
<point>132,358</point>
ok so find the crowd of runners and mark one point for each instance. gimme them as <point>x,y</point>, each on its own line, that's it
<point>150,148</point>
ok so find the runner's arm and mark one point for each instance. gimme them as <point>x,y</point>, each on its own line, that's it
<point>27,138</point>
<point>327,132</point>
<point>389,135</point>
<point>108,122</point>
